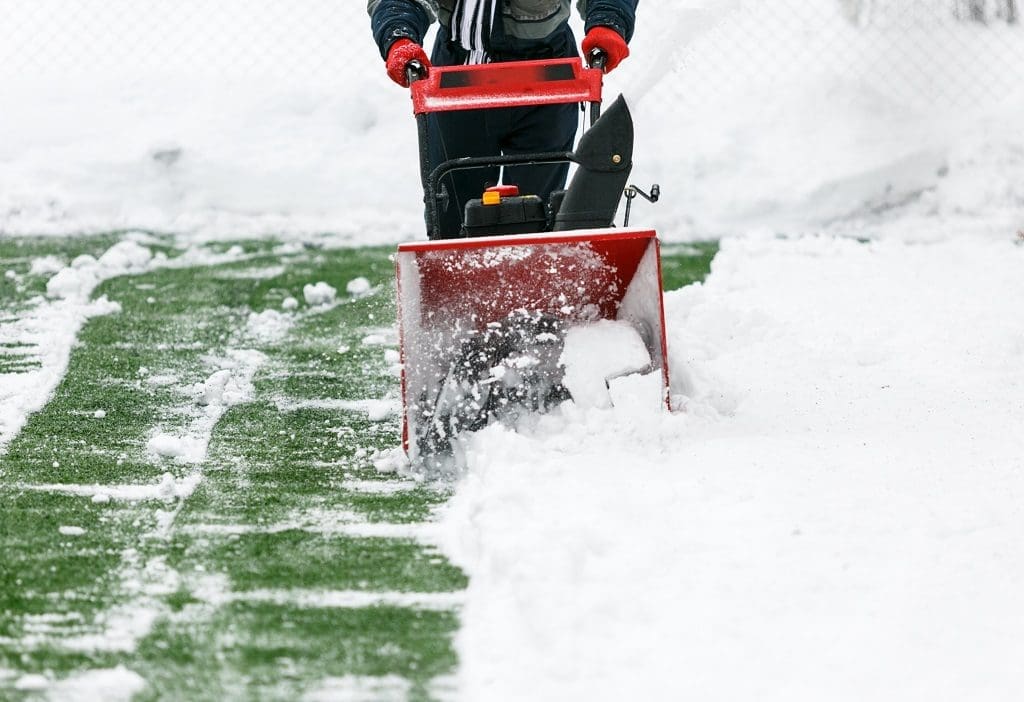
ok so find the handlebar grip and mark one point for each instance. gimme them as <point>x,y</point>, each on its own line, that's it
<point>415,71</point>
<point>597,58</point>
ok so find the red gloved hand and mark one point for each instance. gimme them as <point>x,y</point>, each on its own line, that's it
<point>610,42</point>
<point>399,55</point>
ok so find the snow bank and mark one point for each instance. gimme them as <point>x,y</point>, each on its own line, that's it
<point>771,113</point>
<point>842,525</point>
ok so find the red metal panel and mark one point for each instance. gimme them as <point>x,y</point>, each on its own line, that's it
<point>512,84</point>
<point>572,279</point>
<point>449,287</point>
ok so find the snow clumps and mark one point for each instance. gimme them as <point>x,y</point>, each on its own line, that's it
<point>358,287</point>
<point>595,354</point>
<point>78,280</point>
<point>319,294</point>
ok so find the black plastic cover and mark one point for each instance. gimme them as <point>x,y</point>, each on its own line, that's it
<point>523,214</point>
<point>605,158</point>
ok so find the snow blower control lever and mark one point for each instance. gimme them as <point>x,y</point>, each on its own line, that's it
<point>520,84</point>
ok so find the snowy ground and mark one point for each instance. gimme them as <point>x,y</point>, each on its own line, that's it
<point>832,512</point>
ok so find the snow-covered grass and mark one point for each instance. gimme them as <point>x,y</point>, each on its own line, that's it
<point>189,505</point>
<point>830,514</point>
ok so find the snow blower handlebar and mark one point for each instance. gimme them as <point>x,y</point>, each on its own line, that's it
<point>494,86</point>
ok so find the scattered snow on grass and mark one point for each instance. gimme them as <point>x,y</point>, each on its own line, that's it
<point>360,688</point>
<point>118,684</point>
<point>32,682</point>
<point>49,328</point>
<point>375,410</point>
<point>229,385</point>
<point>374,340</point>
<point>269,326</point>
<point>426,533</point>
<point>351,599</point>
<point>71,530</point>
<point>167,487</point>
<point>379,487</point>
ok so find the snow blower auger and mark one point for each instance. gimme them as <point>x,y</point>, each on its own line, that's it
<point>483,319</point>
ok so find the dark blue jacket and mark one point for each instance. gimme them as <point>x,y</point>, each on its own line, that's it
<point>529,26</point>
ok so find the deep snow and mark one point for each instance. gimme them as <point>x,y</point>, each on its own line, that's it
<point>834,514</point>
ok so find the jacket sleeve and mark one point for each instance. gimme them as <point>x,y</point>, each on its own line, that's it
<point>392,20</point>
<point>620,15</point>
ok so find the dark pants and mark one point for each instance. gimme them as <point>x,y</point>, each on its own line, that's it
<point>517,130</point>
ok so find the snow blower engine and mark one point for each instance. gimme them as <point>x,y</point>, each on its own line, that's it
<point>484,319</point>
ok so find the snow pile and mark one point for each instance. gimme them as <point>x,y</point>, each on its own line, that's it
<point>842,525</point>
<point>597,353</point>
<point>799,123</point>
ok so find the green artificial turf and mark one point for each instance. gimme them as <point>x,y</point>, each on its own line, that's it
<point>218,588</point>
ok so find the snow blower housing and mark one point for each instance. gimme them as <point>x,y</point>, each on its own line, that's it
<point>483,318</point>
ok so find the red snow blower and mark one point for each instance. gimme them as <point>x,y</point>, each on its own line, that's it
<point>483,319</point>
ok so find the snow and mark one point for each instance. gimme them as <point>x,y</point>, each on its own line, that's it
<point>31,683</point>
<point>360,688</point>
<point>118,684</point>
<point>829,514</point>
<point>71,530</point>
<point>595,354</point>
<point>358,286</point>
<point>269,326</point>
<point>840,525</point>
<point>166,487</point>
<point>78,280</point>
<point>319,293</point>
<point>50,326</point>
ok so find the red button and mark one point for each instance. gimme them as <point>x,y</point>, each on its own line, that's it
<point>504,190</point>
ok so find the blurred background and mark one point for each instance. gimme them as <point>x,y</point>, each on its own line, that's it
<point>257,117</point>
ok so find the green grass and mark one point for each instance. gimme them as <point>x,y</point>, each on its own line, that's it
<point>280,505</point>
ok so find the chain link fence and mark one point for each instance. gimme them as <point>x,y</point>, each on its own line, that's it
<point>949,51</point>
<point>936,53</point>
<point>298,40</point>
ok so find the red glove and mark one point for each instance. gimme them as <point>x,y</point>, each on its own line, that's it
<point>610,42</point>
<point>399,55</point>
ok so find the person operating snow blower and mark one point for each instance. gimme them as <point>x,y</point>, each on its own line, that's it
<point>496,31</point>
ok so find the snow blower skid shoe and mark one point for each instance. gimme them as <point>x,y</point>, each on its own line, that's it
<point>483,319</point>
